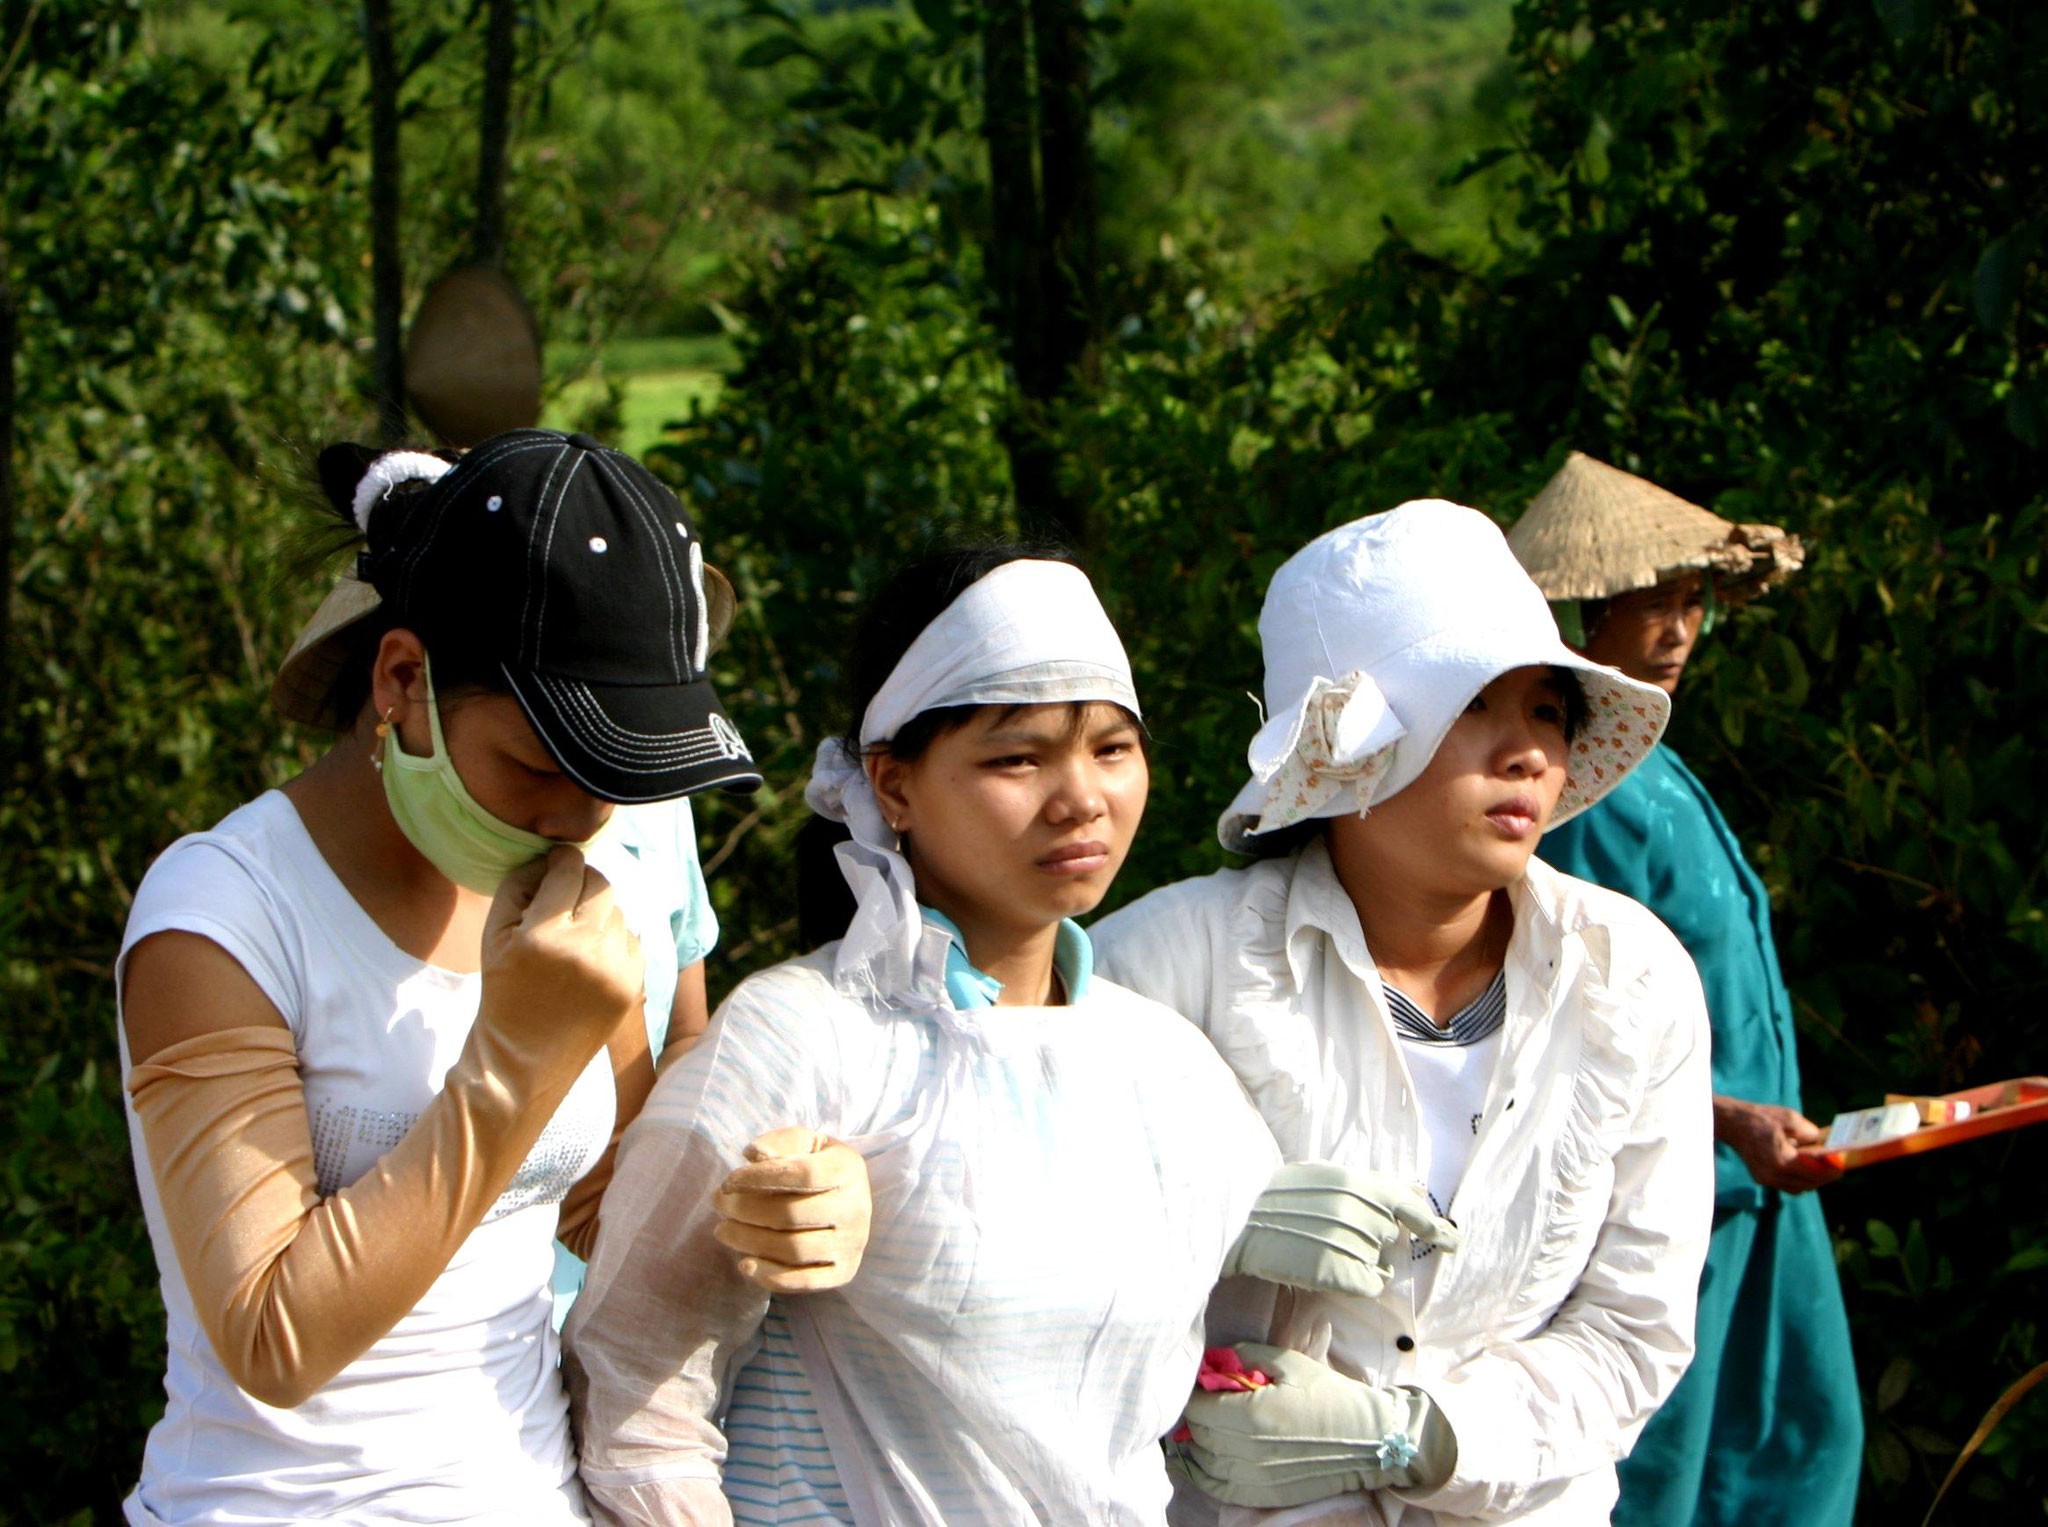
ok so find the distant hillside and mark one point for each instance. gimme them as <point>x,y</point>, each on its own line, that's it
<point>1290,129</point>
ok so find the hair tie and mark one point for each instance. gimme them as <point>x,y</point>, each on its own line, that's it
<point>386,473</point>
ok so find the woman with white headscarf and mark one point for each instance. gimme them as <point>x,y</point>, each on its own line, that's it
<point>1059,1167</point>
<point>1407,993</point>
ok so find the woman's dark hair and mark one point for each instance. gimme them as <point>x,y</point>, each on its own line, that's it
<point>1282,841</point>
<point>894,618</point>
<point>457,673</point>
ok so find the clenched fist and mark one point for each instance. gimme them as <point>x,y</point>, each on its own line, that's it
<point>561,971</point>
<point>797,1212</point>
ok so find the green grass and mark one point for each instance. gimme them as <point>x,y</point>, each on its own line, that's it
<point>659,379</point>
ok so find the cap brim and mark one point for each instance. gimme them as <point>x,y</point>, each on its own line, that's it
<point>303,690</point>
<point>631,743</point>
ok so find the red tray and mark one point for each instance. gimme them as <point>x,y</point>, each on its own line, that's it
<point>1995,1108</point>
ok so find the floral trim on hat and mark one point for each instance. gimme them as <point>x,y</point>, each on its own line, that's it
<point>1315,773</point>
<point>1620,728</point>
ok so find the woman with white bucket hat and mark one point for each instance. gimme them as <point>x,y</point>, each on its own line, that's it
<point>1407,993</point>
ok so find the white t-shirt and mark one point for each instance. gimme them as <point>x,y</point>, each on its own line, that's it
<point>457,1414</point>
<point>1452,1067</point>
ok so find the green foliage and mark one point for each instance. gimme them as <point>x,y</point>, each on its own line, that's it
<point>1784,259</point>
<point>1291,134</point>
<point>856,429</point>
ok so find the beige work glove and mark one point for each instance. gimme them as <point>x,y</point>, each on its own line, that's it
<point>797,1212</point>
<point>290,1287</point>
<point>1329,1228</point>
<point>1311,1433</point>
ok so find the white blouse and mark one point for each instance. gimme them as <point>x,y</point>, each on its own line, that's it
<point>1054,1189</point>
<point>1567,1316</point>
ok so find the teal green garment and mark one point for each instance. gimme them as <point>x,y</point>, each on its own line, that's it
<point>1659,838</point>
<point>1073,956</point>
<point>1766,1427</point>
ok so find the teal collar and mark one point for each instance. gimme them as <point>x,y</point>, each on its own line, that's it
<point>1073,956</point>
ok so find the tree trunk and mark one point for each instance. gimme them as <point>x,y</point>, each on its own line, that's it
<point>1010,127</point>
<point>1034,301</point>
<point>494,129</point>
<point>387,279</point>
<point>6,493</point>
<point>1059,31</point>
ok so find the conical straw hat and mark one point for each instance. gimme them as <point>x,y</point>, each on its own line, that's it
<point>1596,531</point>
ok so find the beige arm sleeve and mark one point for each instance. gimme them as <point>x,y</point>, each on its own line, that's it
<point>291,1288</point>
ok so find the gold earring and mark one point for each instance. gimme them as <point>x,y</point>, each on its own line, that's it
<point>383,731</point>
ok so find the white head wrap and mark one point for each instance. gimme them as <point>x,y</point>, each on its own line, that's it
<point>1030,633</point>
<point>1376,637</point>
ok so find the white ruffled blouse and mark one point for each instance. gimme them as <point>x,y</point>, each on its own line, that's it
<point>1567,1316</point>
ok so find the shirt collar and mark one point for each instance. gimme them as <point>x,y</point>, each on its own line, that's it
<point>1073,957</point>
<point>1317,903</point>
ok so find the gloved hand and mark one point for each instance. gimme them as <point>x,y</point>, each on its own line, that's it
<point>797,1213</point>
<point>1312,1433</point>
<point>1325,1227</point>
<point>561,972</point>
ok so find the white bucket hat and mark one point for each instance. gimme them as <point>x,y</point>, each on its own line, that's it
<point>1376,637</point>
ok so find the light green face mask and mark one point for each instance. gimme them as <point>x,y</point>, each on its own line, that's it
<point>442,820</point>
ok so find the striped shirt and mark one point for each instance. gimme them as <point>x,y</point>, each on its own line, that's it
<point>1452,1068</point>
<point>778,1469</point>
<point>1480,1017</point>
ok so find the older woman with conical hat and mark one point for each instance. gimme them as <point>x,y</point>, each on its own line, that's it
<point>1766,1427</point>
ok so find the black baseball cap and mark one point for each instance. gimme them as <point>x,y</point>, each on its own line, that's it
<point>576,573</point>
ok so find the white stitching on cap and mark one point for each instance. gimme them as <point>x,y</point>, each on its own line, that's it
<point>703,610</point>
<point>470,465</point>
<point>580,712</point>
<point>574,702</point>
<point>547,551</point>
<point>671,575</point>
<point>533,530</point>
<point>694,749</point>
<point>569,768</point>
<point>661,548</point>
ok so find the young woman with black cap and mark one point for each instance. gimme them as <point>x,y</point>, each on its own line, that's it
<point>380,1028</point>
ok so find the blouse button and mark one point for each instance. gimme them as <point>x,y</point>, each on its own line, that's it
<point>1405,1343</point>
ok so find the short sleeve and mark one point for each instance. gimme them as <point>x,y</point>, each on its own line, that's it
<point>695,924</point>
<point>203,886</point>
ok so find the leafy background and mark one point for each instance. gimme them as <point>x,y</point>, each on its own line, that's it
<point>1333,254</point>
